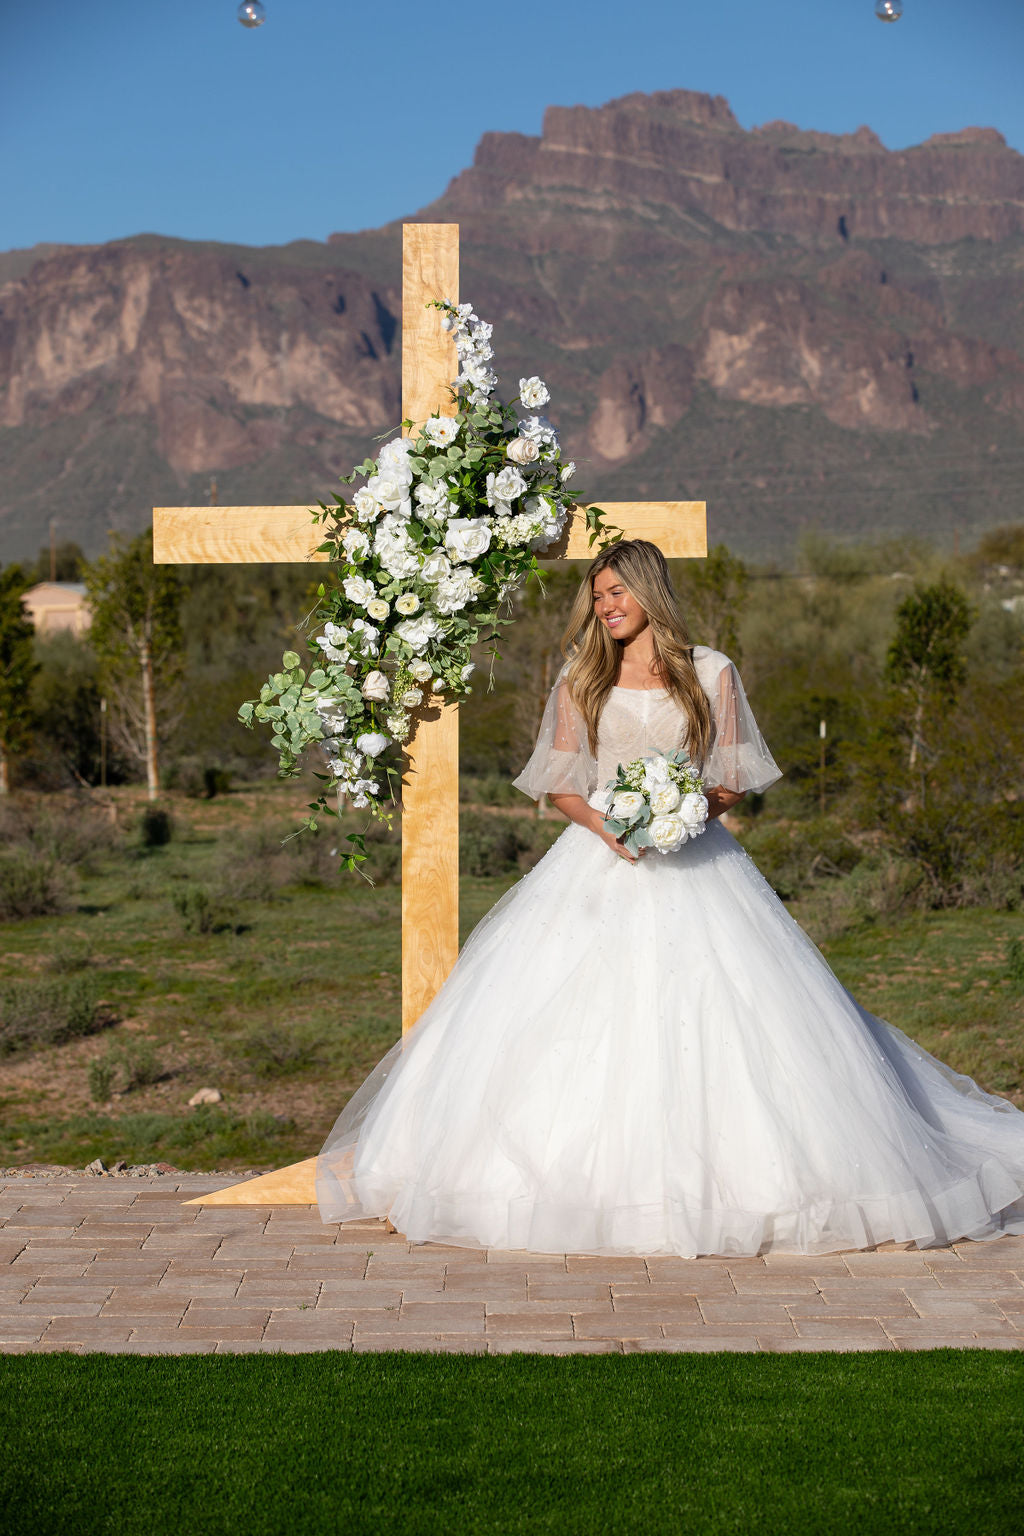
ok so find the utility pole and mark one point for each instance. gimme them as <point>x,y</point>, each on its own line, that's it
<point>53,549</point>
<point>822,734</point>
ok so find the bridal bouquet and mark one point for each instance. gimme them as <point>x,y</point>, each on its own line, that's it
<point>657,802</point>
<point>443,527</point>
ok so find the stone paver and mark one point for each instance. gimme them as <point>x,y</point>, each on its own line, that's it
<point>125,1266</point>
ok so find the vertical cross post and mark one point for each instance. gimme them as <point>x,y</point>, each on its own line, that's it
<point>430,798</point>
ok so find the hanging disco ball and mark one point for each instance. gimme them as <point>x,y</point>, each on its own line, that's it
<point>888,10</point>
<point>251,13</point>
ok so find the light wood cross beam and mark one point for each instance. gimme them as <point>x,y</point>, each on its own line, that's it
<point>430,797</point>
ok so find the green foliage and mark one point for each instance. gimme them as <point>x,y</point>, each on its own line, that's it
<point>156,826</point>
<point>17,667</point>
<point>33,885</point>
<point>101,1075</point>
<point>926,661</point>
<point>491,844</point>
<point>40,1013</point>
<point>1015,964</point>
<point>713,594</point>
<point>272,1050</point>
<point>794,856</point>
<point>137,636</point>
<point>67,565</point>
<point>65,703</point>
<point>202,910</point>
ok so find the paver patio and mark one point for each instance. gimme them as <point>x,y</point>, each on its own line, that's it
<point>124,1265</point>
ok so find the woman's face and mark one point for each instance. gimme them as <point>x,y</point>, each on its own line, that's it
<point>616,608</point>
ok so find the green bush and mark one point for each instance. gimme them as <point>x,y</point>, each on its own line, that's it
<point>202,910</point>
<point>793,857</point>
<point>156,826</point>
<point>33,885</point>
<point>70,831</point>
<point>492,844</point>
<point>101,1075</point>
<point>273,1050</point>
<point>1015,964</point>
<point>40,1013</point>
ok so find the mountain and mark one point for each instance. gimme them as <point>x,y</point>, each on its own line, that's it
<point>807,330</point>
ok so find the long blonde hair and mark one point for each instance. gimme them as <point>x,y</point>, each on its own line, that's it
<point>594,656</point>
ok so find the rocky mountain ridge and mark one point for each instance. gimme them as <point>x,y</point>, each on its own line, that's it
<point>806,330</point>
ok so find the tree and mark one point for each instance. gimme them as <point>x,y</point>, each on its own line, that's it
<point>712,593</point>
<point>17,667</point>
<point>136,633</point>
<point>926,660</point>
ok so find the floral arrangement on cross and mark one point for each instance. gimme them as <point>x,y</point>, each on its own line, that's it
<point>428,552</point>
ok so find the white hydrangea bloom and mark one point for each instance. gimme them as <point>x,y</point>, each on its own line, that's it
<point>418,632</point>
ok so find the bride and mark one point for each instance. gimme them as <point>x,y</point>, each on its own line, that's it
<point>647,1055</point>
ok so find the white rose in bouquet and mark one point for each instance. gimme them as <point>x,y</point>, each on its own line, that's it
<point>354,543</point>
<point>522,450</point>
<point>371,743</point>
<point>359,590</point>
<point>365,636</point>
<point>378,609</point>
<point>506,485</point>
<point>467,538</point>
<point>664,798</point>
<point>411,697</point>
<point>567,471</point>
<point>656,773</point>
<point>375,687</point>
<point>418,632</point>
<point>334,642</point>
<point>441,430</point>
<point>667,833</point>
<point>693,812</point>
<point>365,504</point>
<point>391,489</point>
<point>533,393</point>
<point>435,567</point>
<point>395,456</point>
<point>422,671</point>
<point>626,805</point>
<point>454,592</point>
<point>540,431</point>
<point>467,671</point>
<point>407,603</point>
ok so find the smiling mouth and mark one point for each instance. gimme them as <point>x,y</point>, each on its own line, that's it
<point>620,619</point>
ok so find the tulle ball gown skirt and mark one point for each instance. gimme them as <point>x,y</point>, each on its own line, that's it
<point>657,1060</point>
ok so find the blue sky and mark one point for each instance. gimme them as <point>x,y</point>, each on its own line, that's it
<point>123,116</point>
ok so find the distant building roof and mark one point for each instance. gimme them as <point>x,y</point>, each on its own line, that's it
<point>57,605</point>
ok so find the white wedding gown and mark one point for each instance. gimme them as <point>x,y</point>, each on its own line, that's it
<point>655,1059</point>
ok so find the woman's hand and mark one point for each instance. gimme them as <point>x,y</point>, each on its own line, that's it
<point>585,815</point>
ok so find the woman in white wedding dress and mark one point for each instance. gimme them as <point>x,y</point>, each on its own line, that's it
<point>649,1056</point>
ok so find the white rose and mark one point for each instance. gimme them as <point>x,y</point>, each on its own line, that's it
<point>533,392</point>
<point>354,543</point>
<point>664,798</point>
<point>667,833</point>
<point>375,687</point>
<point>334,642</point>
<point>627,804</point>
<point>506,485</point>
<point>407,603</point>
<point>418,633</point>
<point>411,697</point>
<point>467,671</point>
<point>358,590</point>
<point>694,813</point>
<point>540,431</point>
<point>441,430</point>
<point>371,743</point>
<point>400,564</point>
<point>365,505</point>
<point>548,519</point>
<point>378,609</point>
<point>568,470</point>
<point>656,773</point>
<point>454,592</point>
<point>422,671</point>
<point>466,538</point>
<point>522,450</point>
<point>395,456</point>
<point>435,567</point>
<point>391,488</point>
<point>365,636</point>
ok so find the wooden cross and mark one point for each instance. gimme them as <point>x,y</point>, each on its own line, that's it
<point>430,798</point>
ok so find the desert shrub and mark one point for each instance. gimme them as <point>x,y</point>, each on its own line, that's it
<point>1015,964</point>
<point>68,959</point>
<point>70,831</point>
<point>489,789</point>
<point>156,826</point>
<point>273,1050</point>
<point>203,910</point>
<point>793,856</point>
<point>491,844</point>
<point>40,1013</point>
<point>881,887</point>
<point>33,885</point>
<point>198,779</point>
<point>122,1068</point>
<point>101,1075</point>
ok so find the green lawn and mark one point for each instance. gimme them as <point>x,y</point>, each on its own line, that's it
<point>698,1444</point>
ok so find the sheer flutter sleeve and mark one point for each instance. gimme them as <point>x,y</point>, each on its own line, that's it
<point>562,763</point>
<point>739,759</point>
